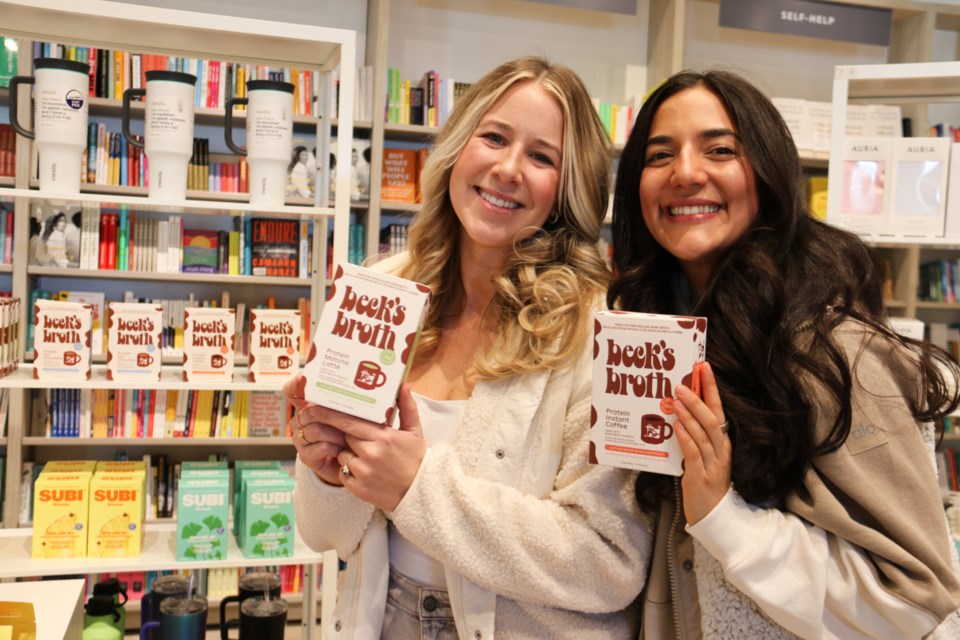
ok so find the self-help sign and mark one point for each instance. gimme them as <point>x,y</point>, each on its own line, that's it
<point>639,359</point>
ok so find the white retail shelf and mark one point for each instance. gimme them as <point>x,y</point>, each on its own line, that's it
<point>159,554</point>
<point>143,203</point>
<point>171,377</point>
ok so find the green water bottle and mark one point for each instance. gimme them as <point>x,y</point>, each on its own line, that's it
<point>101,619</point>
<point>111,587</point>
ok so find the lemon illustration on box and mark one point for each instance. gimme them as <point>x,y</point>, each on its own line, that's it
<point>365,339</point>
<point>266,525</point>
<point>202,514</point>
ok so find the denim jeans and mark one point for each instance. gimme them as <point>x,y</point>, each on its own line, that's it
<point>416,613</point>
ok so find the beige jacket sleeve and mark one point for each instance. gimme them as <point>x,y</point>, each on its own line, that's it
<point>863,551</point>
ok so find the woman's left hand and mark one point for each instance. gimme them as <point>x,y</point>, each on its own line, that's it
<point>383,462</point>
<point>705,445</point>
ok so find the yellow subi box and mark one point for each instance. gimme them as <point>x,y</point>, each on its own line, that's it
<point>69,466</point>
<point>126,467</point>
<point>60,508</point>
<point>116,515</point>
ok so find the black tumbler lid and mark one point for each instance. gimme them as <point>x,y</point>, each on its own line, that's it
<point>100,605</point>
<point>172,76</point>
<point>60,63</point>
<point>269,85</point>
<point>108,587</point>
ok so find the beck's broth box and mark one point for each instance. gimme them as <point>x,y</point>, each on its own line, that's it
<point>274,344</point>
<point>134,341</point>
<point>639,359</point>
<point>60,507</point>
<point>208,344</point>
<point>365,339</point>
<point>61,342</point>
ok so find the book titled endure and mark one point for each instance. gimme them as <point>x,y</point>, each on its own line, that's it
<point>639,359</point>
<point>364,342</point>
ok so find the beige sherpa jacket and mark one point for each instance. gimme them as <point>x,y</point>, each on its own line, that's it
<point>862,551</point>
<point>536,542</point>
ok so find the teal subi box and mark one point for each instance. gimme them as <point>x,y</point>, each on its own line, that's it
<point>239,468</point>
<point>202,514</point>
<point>267,526</point>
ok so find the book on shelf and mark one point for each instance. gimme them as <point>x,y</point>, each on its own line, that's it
<point>268,414</point>
<point>865,191</point>
<point>365,339</point>
<point>54,235</point>
<point>817,196</point>
<point>399,181</point>
<point>302,170</point>
<point>200,251</point>
<point>275,247</point>
<point>359,169</point>
<point>8,60</point>
<point>8,147</point>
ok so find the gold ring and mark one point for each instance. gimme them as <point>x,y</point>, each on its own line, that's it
<point>299,421</point>
<point>724,426</point>
<point>303,438</point>
<point>344,469</point>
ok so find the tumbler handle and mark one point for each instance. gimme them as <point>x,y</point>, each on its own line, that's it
<point>129,95</point>
<point>224,624</point>
<point>15,82</point>
<point>228,128</point>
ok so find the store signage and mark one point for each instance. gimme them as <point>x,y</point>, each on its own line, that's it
<point>628,7</point>
<point>830,20</point>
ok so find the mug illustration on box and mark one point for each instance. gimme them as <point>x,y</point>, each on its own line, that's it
<point>144,359</point>
<point>369,375</point>
<point>654,429</point>
<point>284,362</point>
<point>217,361</point>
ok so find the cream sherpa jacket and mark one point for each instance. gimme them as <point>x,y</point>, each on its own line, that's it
<point>536,542</point>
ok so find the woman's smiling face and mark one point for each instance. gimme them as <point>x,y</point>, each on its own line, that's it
<point>697,189</point>
<point>504,183</point>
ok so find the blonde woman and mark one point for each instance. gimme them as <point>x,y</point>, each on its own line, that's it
<point>479,516</point>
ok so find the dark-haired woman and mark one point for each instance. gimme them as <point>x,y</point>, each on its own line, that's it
<point>809,506</point>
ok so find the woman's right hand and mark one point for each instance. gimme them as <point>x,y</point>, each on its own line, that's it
<point>317,443</point>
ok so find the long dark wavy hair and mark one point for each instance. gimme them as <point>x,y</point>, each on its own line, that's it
<point>789,274</point>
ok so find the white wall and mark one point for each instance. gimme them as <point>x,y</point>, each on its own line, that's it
<point>464,39</point>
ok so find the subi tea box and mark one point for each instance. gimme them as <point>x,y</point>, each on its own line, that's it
<point>116,515</point>
<point>241,467</point>
<point>639,359</point>
<point>202,514</point>
<point>134,341</point>
<point>60,509</point>
<point>208,344</point>
<point>274,344</point>
<point>365,339</point>
<point>266,524</point>
<point>61,343</point>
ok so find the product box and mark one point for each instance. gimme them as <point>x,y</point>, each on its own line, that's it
<point>60,515</point>
<point>69,466</point>
<point>274,344</point>
<point>208,344</point>
<point>251,468</point>
<point>116,515</point>
<point>365,339</point>
<point>134,341</point>
<point>202,516</point>
<point>639,359</point>
<point>865,191</point>
<point>61,341</point>
<point>918,198</point>
<point>266,520</point>
<point>9,334</point>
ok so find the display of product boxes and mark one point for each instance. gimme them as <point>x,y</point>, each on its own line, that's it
<point>208,344</point>
<point>274,344</point>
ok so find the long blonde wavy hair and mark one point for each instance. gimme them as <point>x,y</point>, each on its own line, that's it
<point>548,287</point>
